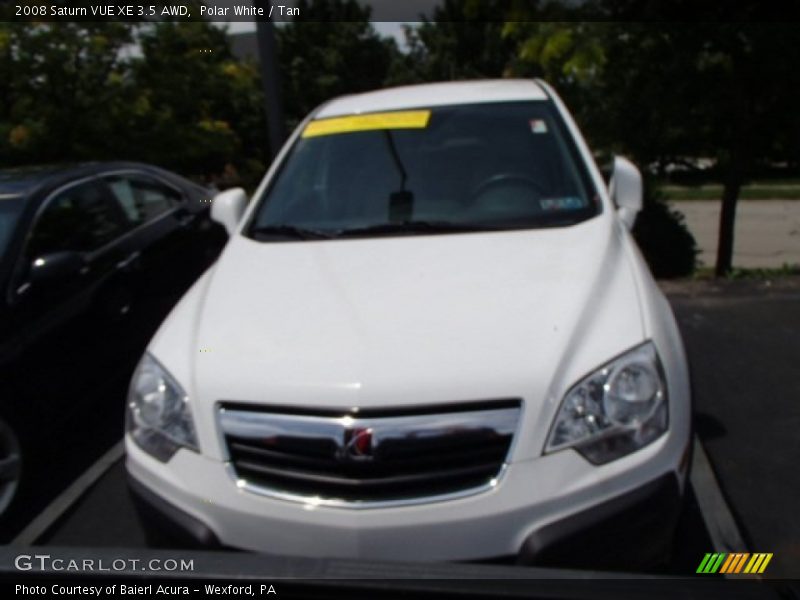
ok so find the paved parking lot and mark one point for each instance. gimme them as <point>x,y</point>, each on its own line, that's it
<point>742,343</point>
<point>742,340</point>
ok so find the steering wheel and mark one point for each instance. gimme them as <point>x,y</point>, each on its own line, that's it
<point>505,179</point>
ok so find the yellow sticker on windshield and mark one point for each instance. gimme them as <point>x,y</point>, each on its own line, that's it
<point>407,119</point>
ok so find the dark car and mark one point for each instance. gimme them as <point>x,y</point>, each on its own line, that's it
<point>92,258</point>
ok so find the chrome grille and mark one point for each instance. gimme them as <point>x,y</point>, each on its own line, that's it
<point>364,459</point>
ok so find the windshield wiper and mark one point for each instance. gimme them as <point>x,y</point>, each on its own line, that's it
<point>301,233</point>
<point>413,227</point>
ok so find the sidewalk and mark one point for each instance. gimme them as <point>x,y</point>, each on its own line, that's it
<point>767,231</point>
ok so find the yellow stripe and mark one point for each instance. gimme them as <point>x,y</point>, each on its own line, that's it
<point>755,563</point>
<point>406,119</point>
<point>765,563</point>
<point>752,566</point>
<point>740,564</point>
<point>727,563</point>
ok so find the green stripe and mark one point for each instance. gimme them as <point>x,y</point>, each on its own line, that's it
<point>703,563</point>
<point>718,564</point>
<point>711,562</point>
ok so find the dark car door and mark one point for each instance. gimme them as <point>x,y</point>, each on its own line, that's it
<point>166,231</point>
<point>62,333</point>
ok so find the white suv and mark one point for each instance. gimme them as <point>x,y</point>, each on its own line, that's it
<point>430,337</point>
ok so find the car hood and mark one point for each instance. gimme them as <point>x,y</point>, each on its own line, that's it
<point>411,319</point>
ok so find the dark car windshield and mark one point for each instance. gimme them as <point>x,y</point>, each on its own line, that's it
<point>455,168</point>
<point>10,209</point>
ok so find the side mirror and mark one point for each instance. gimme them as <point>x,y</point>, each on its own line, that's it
<point>228,207</point>
<point>55,267</point>
<point>626,190</point>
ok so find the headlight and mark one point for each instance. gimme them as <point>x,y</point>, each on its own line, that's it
<point>158,415</point>
<point>617,409</point>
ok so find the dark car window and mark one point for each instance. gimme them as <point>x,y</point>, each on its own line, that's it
<point>82,218</point>
<point>10,209</point>
<point>141,198</point>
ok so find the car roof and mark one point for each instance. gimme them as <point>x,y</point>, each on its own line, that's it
<point>24,181</point>
<point>434,94</point>
<point>21,180</point>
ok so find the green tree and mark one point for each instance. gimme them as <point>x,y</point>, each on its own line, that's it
<point>168,93</point>
<point>721,92</point>
<point>196,107</point>
<point>330,50</point>
<point>63,90</point>
<point>463,40</point>
<point>666,91</point>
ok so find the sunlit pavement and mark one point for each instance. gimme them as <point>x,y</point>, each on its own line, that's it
<point>767,232</point>
<point>742,343</point>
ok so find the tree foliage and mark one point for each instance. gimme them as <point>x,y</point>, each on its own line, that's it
<point>657,90</point>
<point>166,93</point>
<point>664,91</point>
<point>463,40</point>
<point>330,50</point>
<point>62,90</point>
<point>171,92</point>
<point>663,237</point>
<point>198,107</point>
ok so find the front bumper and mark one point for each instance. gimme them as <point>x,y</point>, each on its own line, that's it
<point>537,507</point>
<point>628,532</point>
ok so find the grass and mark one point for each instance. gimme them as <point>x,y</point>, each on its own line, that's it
<point>773,190</point>
<point>739,273</point>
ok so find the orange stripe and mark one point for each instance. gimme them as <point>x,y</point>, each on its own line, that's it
<point>727,563</point>
<point>736,557</point>
<point>740,564</point>
<point>735,562</point>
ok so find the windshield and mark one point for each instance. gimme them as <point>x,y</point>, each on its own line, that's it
<point>10,208</point>
<point>482,166</point>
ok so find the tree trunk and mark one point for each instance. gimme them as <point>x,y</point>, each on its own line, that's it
<point>727,220</point>
<point>270,80</point>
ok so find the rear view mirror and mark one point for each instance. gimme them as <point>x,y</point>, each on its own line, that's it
<point>625,189</point>
<point>54,267</point>
<point>228,207</point>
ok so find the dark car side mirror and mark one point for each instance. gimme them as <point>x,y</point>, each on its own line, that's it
<point>54,267</point>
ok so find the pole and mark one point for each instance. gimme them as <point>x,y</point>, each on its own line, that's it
<point>268,62</point>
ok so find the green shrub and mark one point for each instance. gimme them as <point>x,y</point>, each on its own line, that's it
<point>665,240</point>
